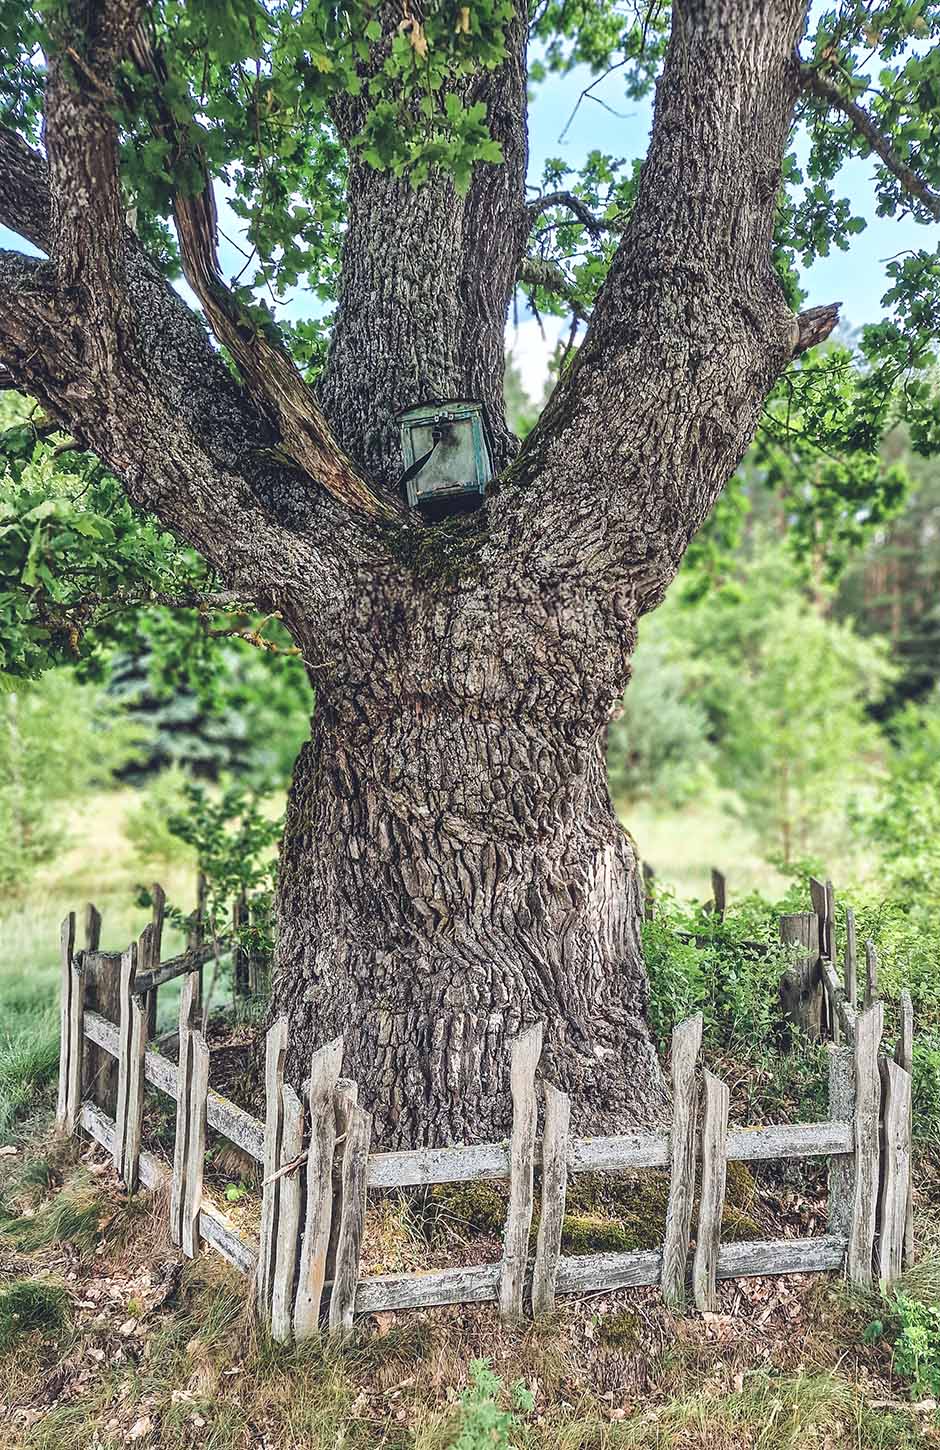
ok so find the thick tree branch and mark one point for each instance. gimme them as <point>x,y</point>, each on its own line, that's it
<point>24,190</point>
<point>81,140</point>
<point>814,325</point>
<point>267,368</point>
<point>689,333</point>
<point>816,84</point>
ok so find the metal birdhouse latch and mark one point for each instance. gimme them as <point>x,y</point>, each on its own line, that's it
<point>447,454</point>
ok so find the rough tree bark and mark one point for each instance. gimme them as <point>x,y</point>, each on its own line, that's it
<point>452,867</point>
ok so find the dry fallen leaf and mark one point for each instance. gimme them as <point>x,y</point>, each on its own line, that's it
<point>142,1427</point>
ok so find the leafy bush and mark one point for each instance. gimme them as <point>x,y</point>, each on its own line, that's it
<point>913,1326</point>
<point>148,827</point>
<point>485,1422</point>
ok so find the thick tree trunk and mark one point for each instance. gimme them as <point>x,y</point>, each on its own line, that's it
<point>452,871</point>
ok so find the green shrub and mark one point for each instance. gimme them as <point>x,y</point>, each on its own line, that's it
<point>913,1326</point>
<point>485,1419</point>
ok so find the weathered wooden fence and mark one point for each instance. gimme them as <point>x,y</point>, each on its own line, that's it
<point>318,1168</point>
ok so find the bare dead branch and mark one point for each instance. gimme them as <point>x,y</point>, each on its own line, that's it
<point>816,84</point>
<point>814,325</point>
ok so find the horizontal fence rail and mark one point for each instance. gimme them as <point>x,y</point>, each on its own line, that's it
<point>318,1165</point>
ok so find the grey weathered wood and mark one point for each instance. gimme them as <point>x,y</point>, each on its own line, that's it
<point>214,1228</point>
<point>288,1227</point>
<point>128,970</point>
<point>184,1083</point>
<point>686,1044</point>
<point>195,1143</point>
<point>325,1068</point>
<point>832,945</point>
<point>475,1285</point>
<point>841,1165</point>
<point>136,1042</point>
<point>275,1053</point>
<point>352,1220</point>
<point>851,958</point>
<point>871,973</point>
<point>896,1174</point>
<point>345,1098</point>
<point>589,1272</point>
<point>841,1016</point>
<point>189,961</point>
<point>75,1027</point>
<point>868,1032</point>
<point>102,977</point>
<point>223,1115</point>
<point>526,1051</point>
<point>801,988</point>
<point>719,893</point>
<point>154,949</point>
<point>66,988</point>
<point>820,900</point>
<point>712,1199</point>
<point>554,1191</point>
<point>904,1057</point>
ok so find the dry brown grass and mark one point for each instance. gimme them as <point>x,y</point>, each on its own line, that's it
<point>154,1352</point>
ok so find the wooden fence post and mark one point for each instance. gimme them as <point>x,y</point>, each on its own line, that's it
<point>851,959</point>
<point>841,1165</point>
<point>189,1149</point>
<point>686,1045</point>
<point>288,1220</point>
<point>352,1220</point>
<point>71,1030</point>
<point>154,949</point>
<point>719,893</point>
<point>275,1053</point>
<point>132,1048</point>
<point>904,1057</point>
<point>896,1174</point>
<point>801,987</point>
<point>195,1143</point>
<point>102,975</point>
<point>196,934</point>
<point>871,973</point>
<point>526,1051</point>
<point>325,1068</point>
<point>711,1204</point>
<point>345,1098</point>
<point>868,1030</point>
<point>554,1192</point>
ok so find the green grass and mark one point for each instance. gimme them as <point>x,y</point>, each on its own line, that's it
<point>100,867</point>
<point>27,1305</point>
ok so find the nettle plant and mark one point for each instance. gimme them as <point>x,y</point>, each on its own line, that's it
<point>451,867</point>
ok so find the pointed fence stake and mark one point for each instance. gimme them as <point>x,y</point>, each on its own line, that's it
<point>868,1030</point>
<point>526,1051</point>
<point>686,1045</point>
<point>712,1201</point>
<point>554,1191</point>
<point>325,1068</point>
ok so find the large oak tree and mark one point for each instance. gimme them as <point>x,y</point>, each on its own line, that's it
<point>452,868</point>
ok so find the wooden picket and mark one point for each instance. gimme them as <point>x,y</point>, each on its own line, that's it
<point>318,1168</point>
